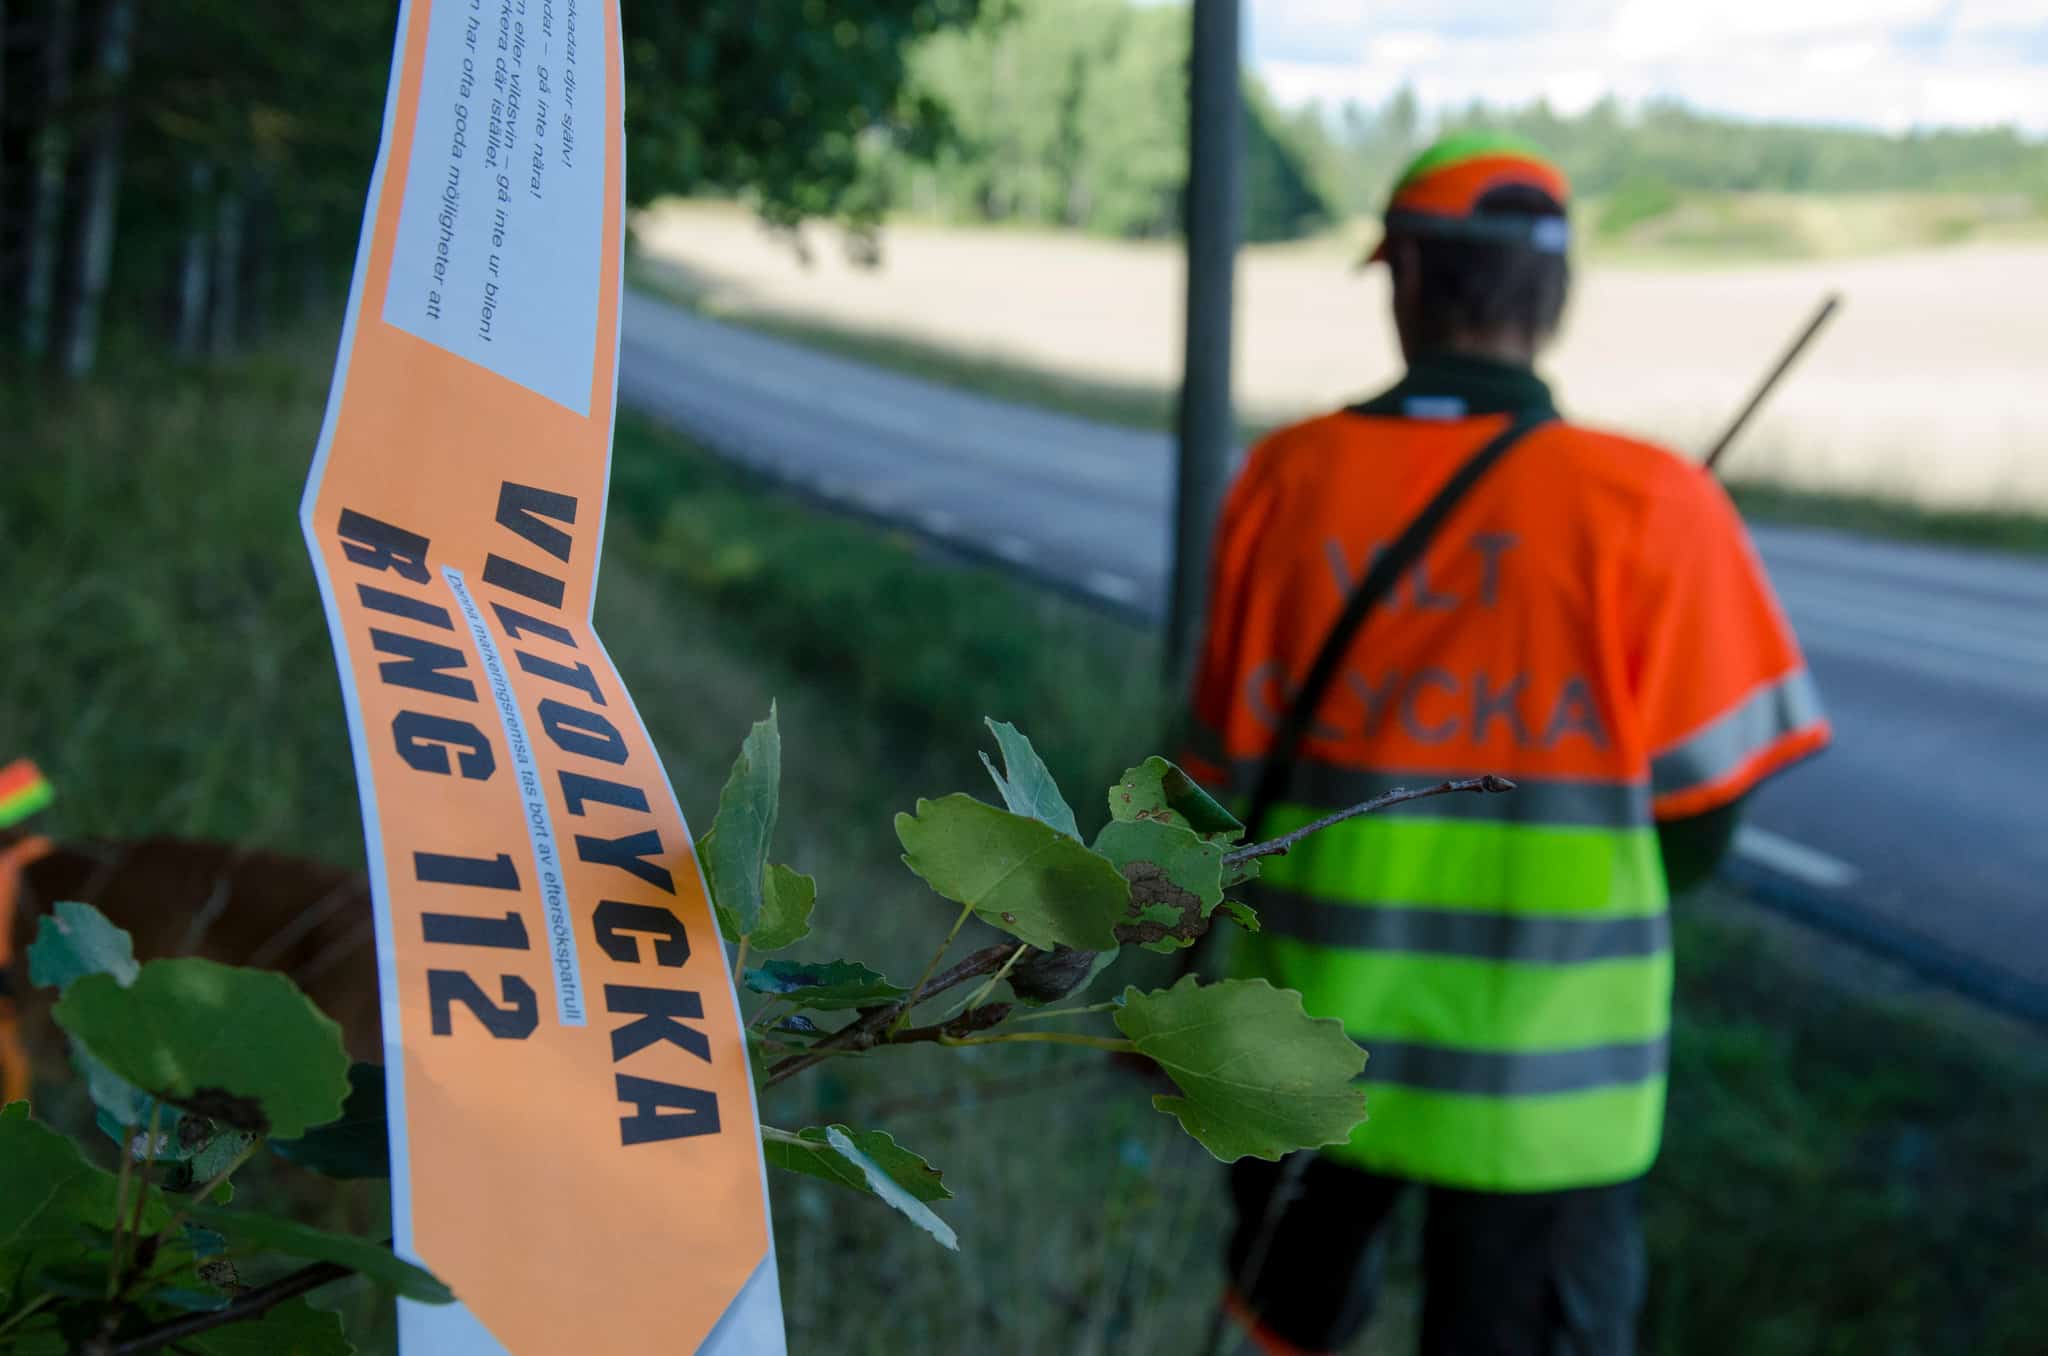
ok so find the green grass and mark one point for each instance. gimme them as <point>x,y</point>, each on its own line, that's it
<point>1137,406</point>
<point>1843,1172</point>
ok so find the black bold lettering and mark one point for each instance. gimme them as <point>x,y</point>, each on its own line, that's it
<point>421,665</point>
<point>377,545</point>
<point>575,730</point>
<point>523,580</point>
<point>691,1111</point>
<point>489,873</point>
<point>578,790</point>
<point>460,929</point>
<point>423,741</point>
<point>400,605</point>
<point>580,677</point>
<point>514,1021</point>
<point>525,509</point>
<point>627,854</point>
<point>661,1019</point>
<point>517,624</point>
<point>614,919</point>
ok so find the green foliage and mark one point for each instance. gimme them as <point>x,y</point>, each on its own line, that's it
<point>1026,783</point>
<point>1074,113</point>
<point>75,940</point>
<point>356,1145</point>
<point>734,853</point>
<point>1633,202</point>
<point>787,897</point>
<point>294,1328</point>
<point>808,1151</point>
<point>48,1192</point>
<point>191,1064</point>
<point>240,1046</point>
<point>1017,874</point>
<point>256,1232</point>
<point>893,1193</point>
<point>830,987</point>
<point>1158,790</point>
<point>1643,158</point>
<point>1259,1076</point>
<point>1148,850</point>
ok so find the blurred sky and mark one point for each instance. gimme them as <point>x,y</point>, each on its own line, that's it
<point>1885,63</point>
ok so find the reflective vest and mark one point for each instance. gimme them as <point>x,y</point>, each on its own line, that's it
<point>1593,623</point>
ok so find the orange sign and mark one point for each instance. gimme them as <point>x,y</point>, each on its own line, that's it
<point>573,1134</point>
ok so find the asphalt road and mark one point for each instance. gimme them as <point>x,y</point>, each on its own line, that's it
<point>1925,828</point>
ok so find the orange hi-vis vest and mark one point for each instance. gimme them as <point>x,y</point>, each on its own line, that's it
<point>1592,622</point>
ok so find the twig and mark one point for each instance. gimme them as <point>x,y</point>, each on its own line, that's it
<point>1047,1014</point>
<point>917,989</point>
<point>987,988</point>
<point>125,1249</point>
<point>1117,1044</point>
<point>1276,847</point>
<point>205,1193</point>
<point>254,1304</point>
<point>121,1209</point>
<point>866,1032</point>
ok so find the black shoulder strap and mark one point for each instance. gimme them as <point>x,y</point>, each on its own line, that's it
<point>1379,581</point>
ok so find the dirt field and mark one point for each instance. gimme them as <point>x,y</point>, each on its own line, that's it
<point>1929,385</point>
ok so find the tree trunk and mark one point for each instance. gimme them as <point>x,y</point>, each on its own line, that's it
<point>103,187</point>
<point>52,142</point>
<point>227,270</point>
<point>194,266</point>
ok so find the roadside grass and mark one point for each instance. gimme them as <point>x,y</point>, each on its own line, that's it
<point>1133,405</point>
<point>1844,1171</point>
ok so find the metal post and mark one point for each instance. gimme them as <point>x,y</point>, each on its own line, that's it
<point>1214,217</point>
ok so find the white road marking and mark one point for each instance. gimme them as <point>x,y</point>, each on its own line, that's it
<point>1804,864</point>
<point>1013,548</point>
<point>1121,588</point>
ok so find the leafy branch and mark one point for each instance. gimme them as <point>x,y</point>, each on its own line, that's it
<point>196,1068</point>
<point>1154,876</point>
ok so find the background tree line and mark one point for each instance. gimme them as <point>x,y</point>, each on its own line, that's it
<point>188,173</point>
<point>1070,113</point>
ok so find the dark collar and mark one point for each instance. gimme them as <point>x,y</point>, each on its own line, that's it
<point>1456,386</point>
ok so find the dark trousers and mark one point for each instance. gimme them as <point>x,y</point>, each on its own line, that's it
<point>1556,1273</point>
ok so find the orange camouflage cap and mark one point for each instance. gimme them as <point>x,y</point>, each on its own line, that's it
<point>1439,193</point>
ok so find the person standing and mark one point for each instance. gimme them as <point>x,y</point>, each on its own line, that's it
<point>1590,620</point>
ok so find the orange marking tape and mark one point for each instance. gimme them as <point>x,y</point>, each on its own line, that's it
<point>574,1143</point>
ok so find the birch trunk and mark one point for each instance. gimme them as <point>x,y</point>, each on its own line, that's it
<point>52,152</point>
<point>103,187</point>
<point>227,270</point>
<point>195,265</point>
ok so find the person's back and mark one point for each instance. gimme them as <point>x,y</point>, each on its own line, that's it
<point>1589,622</point>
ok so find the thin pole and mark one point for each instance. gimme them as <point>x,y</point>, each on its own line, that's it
<point>1813,327</point>
<point>1214,216</point>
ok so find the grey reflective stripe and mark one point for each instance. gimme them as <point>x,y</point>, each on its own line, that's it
<point>1534,939</point>
<point>1548,801</point>
<point>1711,753</point>
<point>1513,1073</point>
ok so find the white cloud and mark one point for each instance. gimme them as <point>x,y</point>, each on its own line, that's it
<point>1884,63</point>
